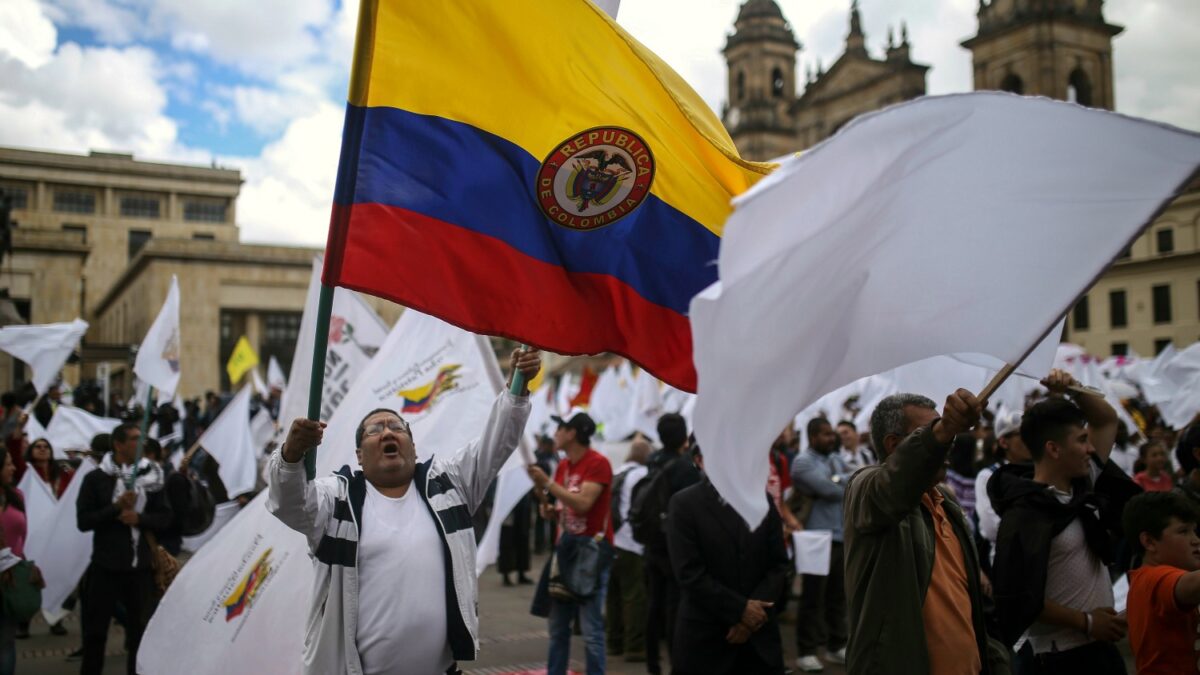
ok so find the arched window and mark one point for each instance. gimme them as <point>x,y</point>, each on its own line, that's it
<point>1079,88</point>
<point>777,83</point>
<point>1012,83</point>
<point>741,86</point>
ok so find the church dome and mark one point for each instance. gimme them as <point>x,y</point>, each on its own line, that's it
<point>760,9</point>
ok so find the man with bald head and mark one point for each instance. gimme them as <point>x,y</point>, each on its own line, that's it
<point>392,545</point>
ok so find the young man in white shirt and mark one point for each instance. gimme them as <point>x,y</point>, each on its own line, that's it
<point>392,545</point>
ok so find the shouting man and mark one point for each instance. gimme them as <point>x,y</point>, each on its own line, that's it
<point>392,545</point>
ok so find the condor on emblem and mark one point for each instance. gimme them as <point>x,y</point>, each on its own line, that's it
<point>595,178</point>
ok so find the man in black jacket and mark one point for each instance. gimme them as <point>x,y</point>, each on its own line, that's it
<point>1058,521</point>
<point>671,470</point>
<point>729,578</point>
<point>120,571</point>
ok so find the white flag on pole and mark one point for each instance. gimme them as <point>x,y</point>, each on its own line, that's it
<point>73,429</point>
<point>355,334</point>
<point>60,550</point>
<point>158,356</point>
<point>952,224</point>
<point>275,376</point>
<point>229,442</point>
<point>44,347</point>
<point>243,599</point>
<point>259,385</point>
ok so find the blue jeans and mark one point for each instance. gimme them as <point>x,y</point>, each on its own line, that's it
<point>591,615</point>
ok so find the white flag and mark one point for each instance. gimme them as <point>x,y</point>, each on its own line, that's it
<point>230,443</point>
<point>158,356</point>
<point>275,376</point>
<point>1182,372</point>
<point>259,385</point>
<point>963,223</point>
<point>262,428</point>
<point>221,517</point>
<point>44,347</point>
<point>60,550</point>
<point>646,407</point>
<point>355,333</point>
<point>243,599</point>
<point>73,429</point>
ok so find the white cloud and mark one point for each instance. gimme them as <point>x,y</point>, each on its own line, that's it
<point>26,33</point>
<point>289,187</point>
<point>88,97</point>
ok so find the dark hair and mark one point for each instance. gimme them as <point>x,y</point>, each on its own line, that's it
<point>121,433</point>
<point>1147,446</point>
<point>8,399</point>
<point>152,448</point>
<point>54,470</point>
<point>101,443</point>
<point>358,433</point>
<point>1150,512</point>
<point>847,423</point>
<point>672,431</point>
<point>889,417</point>
<point>1189,442</point>
<point>695,447</point>
<point>11,496</point>
<point>1049,420</point>
<point>814,425</point>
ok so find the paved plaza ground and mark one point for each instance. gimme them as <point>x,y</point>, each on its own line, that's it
<point>511,641</point>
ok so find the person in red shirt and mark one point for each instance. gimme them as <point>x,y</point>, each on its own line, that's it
<point>1164,591</point>
<point>1157,476</point>
<point>582,488</point>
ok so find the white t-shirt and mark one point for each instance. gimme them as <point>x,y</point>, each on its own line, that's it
<point>623,538</point>
<point>401,588</point>
<point>1075,578</point>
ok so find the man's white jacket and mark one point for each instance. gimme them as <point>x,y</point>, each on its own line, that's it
<point>328,511</point>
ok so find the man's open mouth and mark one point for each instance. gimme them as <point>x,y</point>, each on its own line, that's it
<point>391,450</point>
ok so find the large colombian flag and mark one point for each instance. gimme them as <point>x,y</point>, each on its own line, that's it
<point>526,168</point>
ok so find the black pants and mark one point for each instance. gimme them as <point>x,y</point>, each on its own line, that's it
<point>662,599</point>
<point>1094,658</point>
<point>821,616</point>
<point>102,590</point>
<point>514,539</point>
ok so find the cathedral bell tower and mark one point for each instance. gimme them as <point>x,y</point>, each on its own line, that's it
<point>1060,49</point>
<point>761,57</point>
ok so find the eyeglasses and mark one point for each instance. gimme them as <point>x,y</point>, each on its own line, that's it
<point>395,426</point>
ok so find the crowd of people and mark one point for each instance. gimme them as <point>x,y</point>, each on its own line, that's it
<point>960,542</point>
<point>1034,541</point>
<point>130,507</point>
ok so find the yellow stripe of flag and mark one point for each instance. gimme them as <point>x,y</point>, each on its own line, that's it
<point>537,72</point>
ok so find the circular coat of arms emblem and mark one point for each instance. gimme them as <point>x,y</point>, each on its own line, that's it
<point>595,178</point>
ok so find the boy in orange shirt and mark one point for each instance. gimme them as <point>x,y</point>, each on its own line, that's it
<point>1165,590</point>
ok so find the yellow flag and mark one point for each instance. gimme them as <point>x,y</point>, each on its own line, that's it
<point>241,360</point>
<point>537,380</point>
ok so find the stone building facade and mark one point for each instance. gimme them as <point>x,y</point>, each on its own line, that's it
<point>1060,49</point>
<point>99,237</point>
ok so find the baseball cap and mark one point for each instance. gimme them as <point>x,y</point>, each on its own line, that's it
<point>581,422</point>
<point>1008,423</point>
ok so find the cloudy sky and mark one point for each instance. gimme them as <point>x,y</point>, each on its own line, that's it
<point>260,85</point>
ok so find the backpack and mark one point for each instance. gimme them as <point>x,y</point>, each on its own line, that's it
<point>618,487</point>
<point>648,508</point>
<point>196,509</point>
